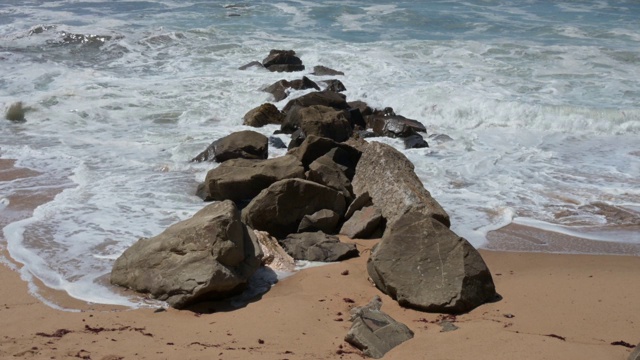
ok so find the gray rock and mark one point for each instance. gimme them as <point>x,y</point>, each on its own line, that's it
<point>262,115</point>
<point>635,354</point>
<point>279,208</point>
<point>362,224</point>
<point>297,138</point>
<point>424,265</point>
<point>320,70</point>
<point>285,68</point>
<point>244,144</point>
<point>276,142</point>
<point>388,176</point>
<point>358,203</point>
<point>318,246</point>
<point>279,88</point>
<point>394,126</point>
<point>257,64</point>
<point>211,255</point>
<point>324,220</point>
<point>282,60</point>
<point>15,112</point>
<point>327,172</point>
<point>334,85</point>
<point>242,179</point>
<point>376,333</point>
<point>415,141</point>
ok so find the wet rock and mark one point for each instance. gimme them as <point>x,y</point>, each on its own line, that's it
<point>276,143</point>
<point>324,98</point>
<point>283,61</point>
<point>320,70</point>
<point>211,255</point>
<point>314,146</point>
<point>245,144</point>
<point>388,176</point>
<point>362,224</point>
<point>451,276</point>
<point>334,85</point>
<point>318,246</point>
<point>358,203</point>
<point>365,109</point>
<point>297,139</point>
<point>242,179</point>
<point>15,112</point>
<point>279,209</point>
<point>262,115</point>
<point>324,220</point>
<point>257,64</point>
<point>280,89</point>
<point>415,141</point>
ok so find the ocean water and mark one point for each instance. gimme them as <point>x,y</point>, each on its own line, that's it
<point>540,98</point>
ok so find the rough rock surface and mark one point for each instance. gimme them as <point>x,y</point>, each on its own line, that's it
<point>279,208</point>
<point>318,246</point>
<point>327,172</point>
<point>314,146</point>
<point>388,176</point>
<point>244,144</point>
<point>424,265</point>
<point>324,220</point>
<point>415,141</point>
<point>325,122</point>
<point>374,332</point>
<point>324,98</point>
<point>262,115</point>
<point>362,224</point>
<point>334,85</point>
<point>358,203</point>
<point>395,126</point>
<point>320,70</point>
<point>242,179</point>
<point>274,256</point>
<point>211,255</point>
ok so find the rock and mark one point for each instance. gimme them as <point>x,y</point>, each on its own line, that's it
<point>447,326</point>
<point>244,144</point>
<point>314,146</point>
<point>358,203</point>
<point>279,208</point>
<point>365,109</point>
<point>326,172</point>
<point>415,141</point>
<point>279,89</point>
<point>318,246</point>
<point>334,85</point>
<point>275,257</point>
<point>374,332</point>
<point>635,354</point>
<point>388,176</point>
<point>356,119</point>
<point>324,220</point>
<point>15,112</point>
<point>243,179</point>
<point>425,266</point>
<point>276,143</point>
<point>394,126</point>
<point>320,70</point>
<point>325,122</point>
<point>374,305</point>
<point>324,98</point>
<point>251,64</point>
<point>283,60</point>
<point>262,115</point>
<point>297,139</point>
<point>362,224</point>
<point>440,138</point>
<point>209,256</point>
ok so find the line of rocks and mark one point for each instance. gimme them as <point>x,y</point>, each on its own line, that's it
<point>330,181</point>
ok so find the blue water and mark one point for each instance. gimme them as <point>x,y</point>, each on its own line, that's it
<point>541,98</point>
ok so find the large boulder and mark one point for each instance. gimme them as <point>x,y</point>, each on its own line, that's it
<point>262,115</point>
<point>242,179</point>
<point>374,332</point>
<point>279,208</point>
<point>244,144</point>
<point>279,89</point>
<point>324,98</point>
<point>327,172</point>
<point>394,126</point>
<point>424,265</point>
<point>210,255</point>
<point>388,176</point>
<point>318,246</point>
<point>314,146</point>
<point>283,61</point>
<point>325,122</point>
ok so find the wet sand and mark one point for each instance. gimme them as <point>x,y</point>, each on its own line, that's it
<point>554,306</point>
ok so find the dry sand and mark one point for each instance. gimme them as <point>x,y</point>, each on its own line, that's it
<point>553,307</point>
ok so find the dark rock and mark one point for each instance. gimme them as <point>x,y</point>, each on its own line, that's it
<point>374,332</point>
<point>251,64</point>
<point>394,126</point>
<point>424,265</point>
<point>244,144</point>
<point>262,115</point>
<point>325,122</point>
<point>279,209</point>
<point>279,89</point>
<point>361,201</point>
<point>334,85</point>
<point>241,179</point>
<point>324,220</point>
<point>320,70</point>
<point>276,143</point>
<point>388,176</point>
<point>365,134</point>
<point>15,112</point>
<point>285,68</point>
<point>356,118</point>
<point>318,246</point>
<point>314,146</point>
<point>297,139</point>
<point>362,224</point>
<point>415,141</point>
<point>365,109</point>
<point>327,172</point>
<point>635,354</point>
<point>346,159</point>
<point>209,256</point>
<point>324,98</point>
<point>440,138</point>
<point>281,57</point>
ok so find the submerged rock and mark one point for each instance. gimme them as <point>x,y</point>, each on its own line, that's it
<point>15,112</point>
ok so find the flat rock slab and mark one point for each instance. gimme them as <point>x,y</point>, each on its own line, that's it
<point>363,223</point>
<point>318,247</point>
<point>375,333</point>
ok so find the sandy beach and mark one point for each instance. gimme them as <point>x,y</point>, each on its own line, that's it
<point>553,307</point>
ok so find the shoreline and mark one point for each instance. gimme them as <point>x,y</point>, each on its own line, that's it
<point>569,306</point>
